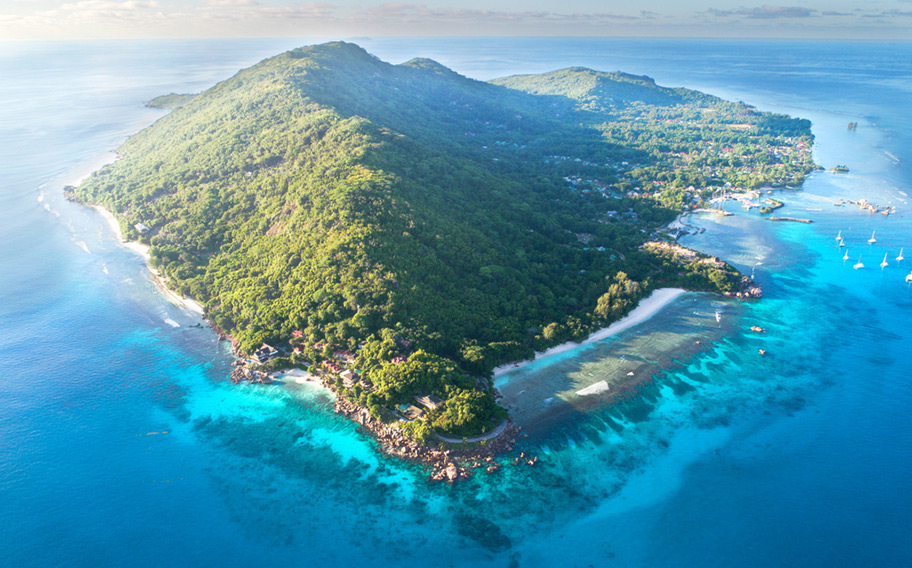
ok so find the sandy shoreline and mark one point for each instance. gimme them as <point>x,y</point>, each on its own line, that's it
<point>300,377</point>
<point>143,251</point>
<point>647,308</point>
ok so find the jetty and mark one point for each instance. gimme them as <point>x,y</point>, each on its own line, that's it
<point>719,212</point>
<point>864,205</point>
<point>793,219</point>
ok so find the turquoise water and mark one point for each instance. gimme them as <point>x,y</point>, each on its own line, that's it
<point>725,458</point>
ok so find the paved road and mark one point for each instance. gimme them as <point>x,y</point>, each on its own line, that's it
<point>492,434</point>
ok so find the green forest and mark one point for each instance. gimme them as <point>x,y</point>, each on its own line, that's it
<point>406,211</point>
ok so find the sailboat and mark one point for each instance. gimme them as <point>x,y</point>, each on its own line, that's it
<point>845,257</point>
<point>841,243</point>
<point>900,257</point>
<point>884,264</point>
<point>858,264</point>
<point>872,240</point>
<point>839,235</point>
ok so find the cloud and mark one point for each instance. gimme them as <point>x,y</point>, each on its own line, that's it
<point>74,19</point>
<point>229,3</point>
<point>414,13</point>
<point>153,18</point>
<point>765,12</point>
<point>888,14</point>
<point>95,10</point>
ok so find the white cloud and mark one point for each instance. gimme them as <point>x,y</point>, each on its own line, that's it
<point>196,18</point>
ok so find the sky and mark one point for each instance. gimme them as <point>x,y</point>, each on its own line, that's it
<point>118,19</point>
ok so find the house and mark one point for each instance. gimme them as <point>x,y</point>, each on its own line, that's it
<point>264,353</point>
<point>332,367</point>
<point>349,378</point>
<point>410,411</point>
<point>297,334</point>
<point>344,355</point>
<point>429,401</point>
<point>397,360</point>
<point>142,227</point>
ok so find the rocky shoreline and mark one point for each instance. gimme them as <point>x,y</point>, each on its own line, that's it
<point>750,291</point>
<point>449,465</point>
<point>243,374</point>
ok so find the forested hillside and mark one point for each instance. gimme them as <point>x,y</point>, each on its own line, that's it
<point>420,214</point>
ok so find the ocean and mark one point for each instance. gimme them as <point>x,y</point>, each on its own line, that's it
<point>122,442</point>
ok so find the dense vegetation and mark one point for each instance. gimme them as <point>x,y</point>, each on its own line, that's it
<point>170,101</point>
<point>408,211</point>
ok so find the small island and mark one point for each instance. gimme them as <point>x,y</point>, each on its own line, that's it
<point>398,231</point>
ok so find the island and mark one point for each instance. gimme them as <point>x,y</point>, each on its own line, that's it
<point>398,231</point>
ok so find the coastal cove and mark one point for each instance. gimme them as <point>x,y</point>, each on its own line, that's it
<point>123,441</point>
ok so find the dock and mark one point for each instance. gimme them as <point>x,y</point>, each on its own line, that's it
<point>793,219</point>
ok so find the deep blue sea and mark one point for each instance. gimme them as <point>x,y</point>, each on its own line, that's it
<point>122,443</point>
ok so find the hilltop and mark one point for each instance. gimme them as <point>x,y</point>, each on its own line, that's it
<point>422,227</point>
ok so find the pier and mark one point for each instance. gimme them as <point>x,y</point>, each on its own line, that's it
<point>793,219</point>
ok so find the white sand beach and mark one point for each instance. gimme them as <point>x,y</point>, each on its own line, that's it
<point>300,377</point>
<point>647,308</point>
<point>143,251</point>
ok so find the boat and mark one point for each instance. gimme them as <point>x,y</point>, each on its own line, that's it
<point>884,264</point>
<point>858,264</point>
<point>846,255</point>
<point>909,277</point>
<point>841,243</point>
<point>762,352</point>
<point>872,240</point>
<point>900,257</point>
<point>839,235</point>
<point>757,329</point>
<point>718,316</point>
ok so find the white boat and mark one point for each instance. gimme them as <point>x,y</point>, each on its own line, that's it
<point>846,255</point>
<point>872,240</point>
<point>900,257</point>
<point>858,264</point>
<point>884,264</point>
<point>839,235</point>
<point>718,316</point>
<point>841,243</point>
<point>909,277</point>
